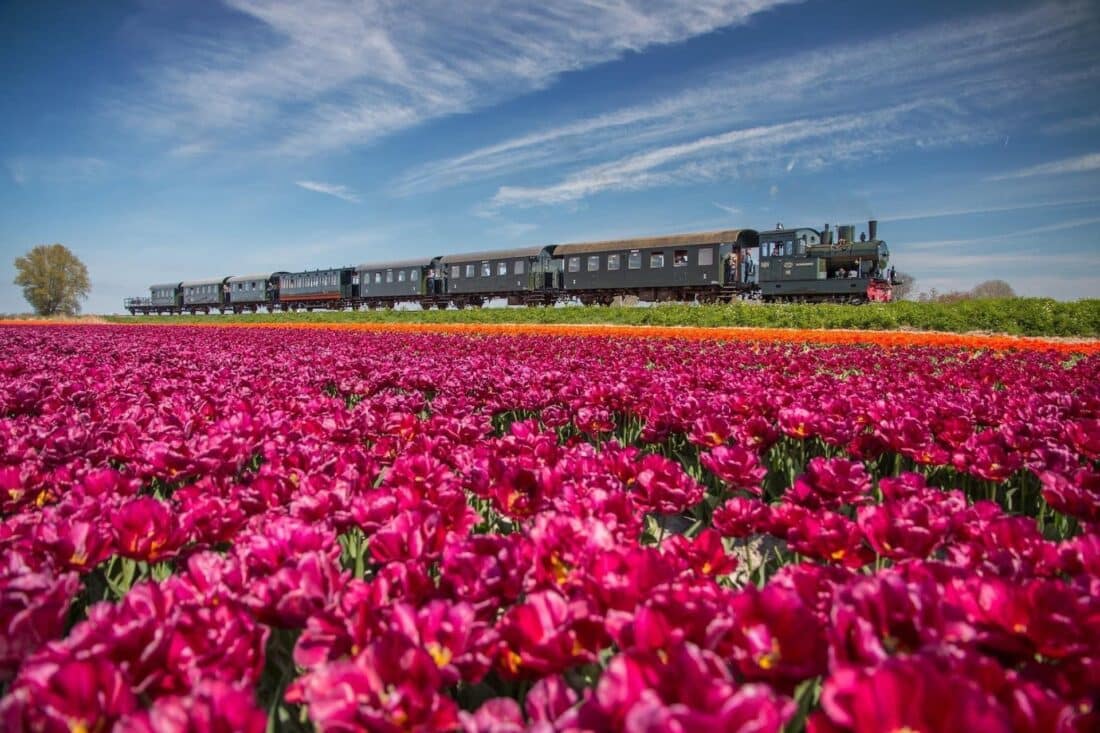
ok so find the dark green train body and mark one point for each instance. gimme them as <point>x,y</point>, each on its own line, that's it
<point>798,264</point>
<point>808,265</point>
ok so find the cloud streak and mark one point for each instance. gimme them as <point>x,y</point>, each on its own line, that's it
<point>1061,226</point>
<point>821,141</point>
<point>960,72</point>
<point>330,189</point>
<point>1078,164</point>
<point>322,75</point>
<point>62,169</point>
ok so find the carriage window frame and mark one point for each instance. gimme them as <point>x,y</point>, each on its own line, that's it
<point>400,276</point>
<point>412,275</point>
<point>502,269</point>
<point>456,272</point>
<point>593,264</point>
<point>613,262</point>
<point>574,264</point>
<point>486,269</point>
<point>471,270</point>
<point>634,260</point>
<point>656,260</point>
<point>680,258</point>
<point>706,256</point>
<point>377,278</point>
<point>389,276</point>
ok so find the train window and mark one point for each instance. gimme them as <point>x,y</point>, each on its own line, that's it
<point>470,271</point>
<point>613,262</point>
<point>706,256</point>
<point>486,269</point>
<point>656,259</point>
<point>389,276</point>
<point>518,270</point>
<point>412,275</point>
<point>593,263</point>
<point>574,264</point>
<point>680,258</point>
<point>502,268</point>
<point>400,276</point>
<point>456,271</point>
<point>377,277</point>
<point>634,261</point>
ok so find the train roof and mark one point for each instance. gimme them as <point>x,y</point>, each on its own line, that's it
<point>208,281</point>
<point>500,254</point>
<point>746,237</point>
<point>257,276</point>
<point>158,286</point>
<point>314,271</point>
<point>396,264</point>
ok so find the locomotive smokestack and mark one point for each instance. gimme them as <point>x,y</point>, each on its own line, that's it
<point>872,229</point>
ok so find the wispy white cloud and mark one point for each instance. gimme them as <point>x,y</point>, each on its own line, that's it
<point>961,71</point>
<point>321,75</point>
<point>55,169</point>
<point>330,189</point>
<point>1072,124</point>
<point>190,150</point>
<point>1023,206</point>
<point>1061,226</point>
<point>1078,164</point>
<point>986,261</point>
<point>823,140</point>
<point>731,210</point>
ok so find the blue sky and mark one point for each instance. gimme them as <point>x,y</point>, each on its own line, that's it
<point>176,139</point>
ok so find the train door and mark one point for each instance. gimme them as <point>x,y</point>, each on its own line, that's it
<point>728,274</point>
<point>544,271</point>
<point>750,264</point>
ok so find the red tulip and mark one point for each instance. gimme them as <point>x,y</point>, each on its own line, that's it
<point>905,695</point>
<point>72,695</point>
<point>771,636</point>
<point>737,467</point>
<point>213,707</point>
<point>146,530</point>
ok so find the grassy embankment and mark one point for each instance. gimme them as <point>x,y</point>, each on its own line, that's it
<point>1019,316</point>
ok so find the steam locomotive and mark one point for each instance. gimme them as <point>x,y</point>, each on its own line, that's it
<point>793,265</point>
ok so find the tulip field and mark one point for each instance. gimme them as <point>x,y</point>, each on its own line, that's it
<point>270,529</point>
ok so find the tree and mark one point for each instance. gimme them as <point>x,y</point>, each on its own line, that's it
<point>993,289</point>
<point>905,286</point>
<point>53,279</point>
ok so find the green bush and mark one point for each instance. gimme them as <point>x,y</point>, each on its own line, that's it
<point>1016,316</point>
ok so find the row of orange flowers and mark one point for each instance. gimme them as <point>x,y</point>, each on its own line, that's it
<point>787,335</point>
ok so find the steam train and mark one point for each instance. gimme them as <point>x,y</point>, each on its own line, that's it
<point>793,265</point>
